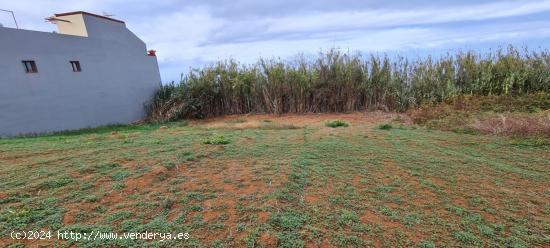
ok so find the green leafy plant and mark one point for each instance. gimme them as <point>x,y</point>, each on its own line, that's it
<point>217,140</point>
<point>288,220</point>
<point>385,126</point>
<point>336,123</point>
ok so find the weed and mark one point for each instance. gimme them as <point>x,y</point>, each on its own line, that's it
<point>44,213</point>
<point>343,240</point>
<point>196,196</point>
<point>103,168</point>
<point>466,238</point>
<point>186,157</point>
<point>169,165</point>
<point>167,203</point>
<point>288,220</point>
<point>515,242</point>
<point>90,198</point>
<point>217,140</point>
<point>336,123</point>
<point>411,219</point>
<point>241,227</point>
<point>160,177</point>
<point>486,230</point>
<point>120,175</point>
<point>426,244</point>
<point>290,240</point>
<point>16,245</point>
<point>14,197</point>
<point>347,218</point>
<point>100,209</point>
<point>118,216</point>
<point>531,142</point>
<point>130,224</point>
<point>217,244</point>
<point>196,208</point>
<point>57,183</point>
<point>389,212</point>
<point>385,126</point>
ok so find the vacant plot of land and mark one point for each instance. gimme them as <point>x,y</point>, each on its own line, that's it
<point>289,181</point>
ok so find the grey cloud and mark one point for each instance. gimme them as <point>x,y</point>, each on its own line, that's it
<point>242,9</point>
<point>327,24</point>
<point>195,32</point>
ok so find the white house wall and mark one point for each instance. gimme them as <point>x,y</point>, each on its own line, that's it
<point>116,81</point>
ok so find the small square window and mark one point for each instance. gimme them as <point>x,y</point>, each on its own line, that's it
<point>76,66</point>
<point>30,66</point>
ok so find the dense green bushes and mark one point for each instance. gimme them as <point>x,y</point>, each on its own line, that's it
<point>341,82</point>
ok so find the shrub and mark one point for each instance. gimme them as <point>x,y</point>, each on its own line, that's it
<point>385,126</point>
<point>217,140</point>
<point>186,157</point>
<point>336,123</point>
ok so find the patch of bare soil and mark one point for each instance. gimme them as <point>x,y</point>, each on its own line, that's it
<point>298,120</point>
<point>240,195</point>
<point>268,239</point>
<point>146,181</point>
<point>531,194</point>
<point>423,196</point>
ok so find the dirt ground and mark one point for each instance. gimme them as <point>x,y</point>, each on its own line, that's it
<point>279,181</point>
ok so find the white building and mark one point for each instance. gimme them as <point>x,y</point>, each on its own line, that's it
<point>93,72</point>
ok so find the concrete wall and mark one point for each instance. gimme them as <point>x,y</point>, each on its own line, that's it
<point>73,24</point>
<point>116,81</point>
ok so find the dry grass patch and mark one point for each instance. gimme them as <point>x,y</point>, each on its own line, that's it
<point>264,125</point>
<point>514,125</point>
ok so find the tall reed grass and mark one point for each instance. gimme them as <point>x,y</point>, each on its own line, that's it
<point>338,81</point>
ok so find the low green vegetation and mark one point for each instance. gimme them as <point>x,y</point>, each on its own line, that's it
<point>336,123</point>
<point>313,186</point>
<point>385,126</point>
<point>217,140</point>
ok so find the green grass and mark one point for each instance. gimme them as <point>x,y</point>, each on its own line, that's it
<point>217,140</point>
<point>358,187</point>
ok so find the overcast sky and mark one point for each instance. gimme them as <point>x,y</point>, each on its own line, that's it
<point>193,33</point>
